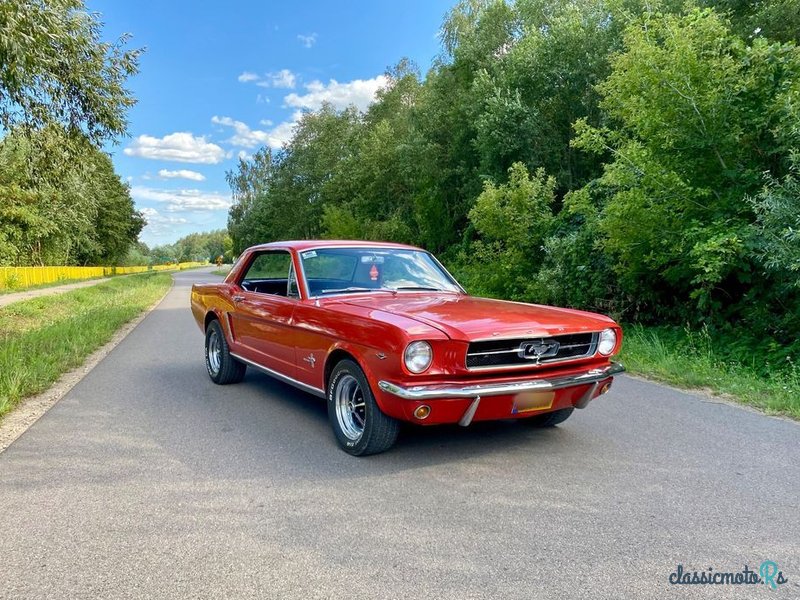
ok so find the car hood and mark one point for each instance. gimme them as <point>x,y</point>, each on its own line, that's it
<point>464,317</point>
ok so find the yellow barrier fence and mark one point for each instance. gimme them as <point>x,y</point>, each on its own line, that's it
<point>18,278</point>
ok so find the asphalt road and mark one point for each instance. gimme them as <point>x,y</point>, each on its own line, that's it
<point>147,480</point>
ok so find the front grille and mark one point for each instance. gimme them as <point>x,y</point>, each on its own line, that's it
<point>529,352</point>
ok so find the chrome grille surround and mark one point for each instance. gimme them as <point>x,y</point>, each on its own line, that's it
<point>527,352</point>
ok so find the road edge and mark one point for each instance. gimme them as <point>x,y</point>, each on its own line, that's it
<point>31,409</point>
<point>711,396</point>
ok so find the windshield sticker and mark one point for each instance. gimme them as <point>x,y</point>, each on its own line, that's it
<point>309,254</point>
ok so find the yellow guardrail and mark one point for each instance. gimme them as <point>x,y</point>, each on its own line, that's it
<point>18,278</point>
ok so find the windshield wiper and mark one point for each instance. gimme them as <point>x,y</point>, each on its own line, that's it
<point>421,288</point>
<point>353,289</point>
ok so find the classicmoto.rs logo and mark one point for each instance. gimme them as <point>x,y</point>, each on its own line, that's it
<point>767,574</point>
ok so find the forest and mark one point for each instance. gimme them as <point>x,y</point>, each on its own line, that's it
<point>637,158</point>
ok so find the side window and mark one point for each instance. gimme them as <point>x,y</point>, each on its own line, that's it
<point>268,273</point>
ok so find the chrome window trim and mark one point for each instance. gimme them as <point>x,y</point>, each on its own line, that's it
<point>292,275</point>
<point>253,256</point>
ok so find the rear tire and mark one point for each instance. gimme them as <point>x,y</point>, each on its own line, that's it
<point>221,366</point>
<point>358,423</point>
<point>550,419</point>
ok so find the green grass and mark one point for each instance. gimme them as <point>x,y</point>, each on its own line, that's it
<point>222,271</point>
<point>42,338</point>
<point>688,359</point>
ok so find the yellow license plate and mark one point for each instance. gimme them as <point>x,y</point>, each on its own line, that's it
<point>532,401</point>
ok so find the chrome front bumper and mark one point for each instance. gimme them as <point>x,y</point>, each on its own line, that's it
<point>432,391</point>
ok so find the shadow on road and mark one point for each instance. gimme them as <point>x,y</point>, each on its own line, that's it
<point>306,417</point>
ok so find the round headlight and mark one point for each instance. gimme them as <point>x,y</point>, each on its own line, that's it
<point>607,341</point>
<point>418,356</point>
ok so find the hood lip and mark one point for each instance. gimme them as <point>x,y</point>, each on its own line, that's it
<point>595,322</point>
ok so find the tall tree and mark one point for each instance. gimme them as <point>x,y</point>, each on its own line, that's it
<point>54,68</point>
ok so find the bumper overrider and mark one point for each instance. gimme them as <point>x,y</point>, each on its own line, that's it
<point>592,377</point>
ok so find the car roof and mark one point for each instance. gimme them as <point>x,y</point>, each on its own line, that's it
<point>300,245</point>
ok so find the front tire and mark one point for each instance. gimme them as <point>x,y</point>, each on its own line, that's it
<point>550,419</point>
<point>221,366</point>
<point>358,423</point>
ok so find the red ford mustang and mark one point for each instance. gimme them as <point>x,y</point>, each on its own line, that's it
<point>385,334</point>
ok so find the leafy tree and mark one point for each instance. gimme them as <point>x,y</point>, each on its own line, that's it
<point>376,184</point>
<point>513,221</point>
<point>249,183</point>
<point>61,212</point>
<point>776,232</point>
<point>698,116</point>
<point>54,69</point>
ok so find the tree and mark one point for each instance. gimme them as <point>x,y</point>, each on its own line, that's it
<point>697,117</point>
<point>513,221</point>
<point>62,212</point>
<point>54,69</point>
<point>249,183</point>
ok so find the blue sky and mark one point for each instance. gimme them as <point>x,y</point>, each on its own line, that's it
<point>221,79</point>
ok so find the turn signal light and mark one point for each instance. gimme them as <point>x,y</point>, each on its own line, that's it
<point>422,412</point>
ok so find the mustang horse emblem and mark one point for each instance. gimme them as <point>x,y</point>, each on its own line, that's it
<point>538,349</point>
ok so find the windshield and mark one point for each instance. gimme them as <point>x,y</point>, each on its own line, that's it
<point>346,270</point>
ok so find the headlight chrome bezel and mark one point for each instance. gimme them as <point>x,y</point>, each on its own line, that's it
<point>607,342</point>
<point>413,353</point>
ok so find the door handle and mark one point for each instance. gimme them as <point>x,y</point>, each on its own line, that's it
<point>238,298</point>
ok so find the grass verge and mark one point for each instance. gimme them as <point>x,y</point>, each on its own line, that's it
<point>42,338</point>
<point>688,359</point>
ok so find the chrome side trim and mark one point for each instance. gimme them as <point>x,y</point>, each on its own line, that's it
<point>284,378</point>
<point>432,391</point>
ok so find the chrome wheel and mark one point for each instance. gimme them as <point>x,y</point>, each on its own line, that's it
<point>351,410</point>
<point>213,352</point>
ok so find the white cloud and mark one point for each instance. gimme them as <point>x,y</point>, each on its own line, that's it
<point>248,76</point>
<point>181,174</point>
<point>359,92</point>
<point>244,137</point>
<point>308,40</point>
<point>159,225</point>
<point>243,155</point>
<point>156,218</point>
<point>182,200</point>
<point>283,79</point>
<point>179,146</point>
